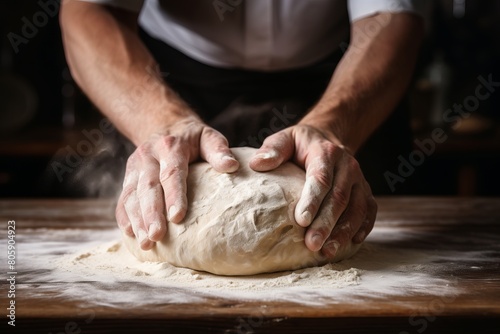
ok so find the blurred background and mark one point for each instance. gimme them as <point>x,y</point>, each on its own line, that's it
<point>47,125</point>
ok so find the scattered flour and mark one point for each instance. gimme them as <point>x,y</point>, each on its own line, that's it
<point>115,259</point>
<point>85,265</point>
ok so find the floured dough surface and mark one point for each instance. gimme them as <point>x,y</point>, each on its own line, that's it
<point>239,224</point>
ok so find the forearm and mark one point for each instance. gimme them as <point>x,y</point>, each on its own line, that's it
<point>116,71</point>
<point>370,79</point>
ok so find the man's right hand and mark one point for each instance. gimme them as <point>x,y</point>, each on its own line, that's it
<point>154,187</point>
<point>115,68</point>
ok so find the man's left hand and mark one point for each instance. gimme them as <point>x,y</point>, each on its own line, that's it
<point>336,203</point>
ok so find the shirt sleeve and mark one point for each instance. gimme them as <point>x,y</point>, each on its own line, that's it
<point>363,8</point>
<point>132,5</point>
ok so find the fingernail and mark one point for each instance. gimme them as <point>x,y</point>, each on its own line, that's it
<point>233,163</point>
<point>306,218</point>
<point>153,230</point>
<point>172,212</point>
<point>227,157</point>
<point>141,236</point>
<point>267,155</point>
<point>317,240</point>
<point>331,248</point>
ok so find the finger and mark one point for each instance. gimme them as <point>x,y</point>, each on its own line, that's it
<point>334,204</point>
<point>122,219</point>
<point>319,165</point>
<point>369,221</point>
<point>322,225</point>
<point>348,224</point>
<point>133,210</point>
<point>129,185</point>
<point>150,193</point>
<point>276,149</point>
<point>215,150</point>
<point>174,161</point>
<point>319,162</point>
<point>131,202</point>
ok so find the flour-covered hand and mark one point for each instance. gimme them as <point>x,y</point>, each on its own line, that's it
<point>336,203</point>
<point>154,187</point>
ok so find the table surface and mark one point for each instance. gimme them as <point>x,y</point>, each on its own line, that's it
<point>450,223</point>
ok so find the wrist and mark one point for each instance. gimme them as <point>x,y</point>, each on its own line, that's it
<point>333,125</point>
<point>163,113</point>
<point>167,125</point>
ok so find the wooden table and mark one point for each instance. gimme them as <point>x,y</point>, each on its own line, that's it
<point>449,221</point>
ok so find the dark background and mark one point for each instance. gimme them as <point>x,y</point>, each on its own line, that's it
<point>43,114</point>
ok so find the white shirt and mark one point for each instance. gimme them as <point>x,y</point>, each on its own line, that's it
<point>263,35</point>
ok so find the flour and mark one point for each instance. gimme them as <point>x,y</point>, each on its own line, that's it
<point>114,258</point>
<point>92,267</point>
<point>376,271</point>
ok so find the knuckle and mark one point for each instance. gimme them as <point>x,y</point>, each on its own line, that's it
<point>340,197</point>
<point>211,132</point>
<point>353,164</point>
<point>168,141</point>
<point>150,183</point>
<point>143,150</point>
<point>146,183</point>
<point>281,136</point>
<point>344,231</point>
<point>322,179</point>
<point>322,173</point>
<point>334,151</point>
<point>169,171</point>
<point>126,195</point>
<point>329,149</point>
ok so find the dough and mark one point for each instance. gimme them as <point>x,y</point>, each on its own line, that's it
<point>238,224</point>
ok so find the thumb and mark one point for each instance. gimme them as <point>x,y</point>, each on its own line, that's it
<point>276,149</point>
<point>215,150</point>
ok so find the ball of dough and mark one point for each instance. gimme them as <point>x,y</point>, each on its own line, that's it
<point>238,224</point>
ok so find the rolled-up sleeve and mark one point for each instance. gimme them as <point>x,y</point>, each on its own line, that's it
<point>363,8</point>
<point>132,5</point>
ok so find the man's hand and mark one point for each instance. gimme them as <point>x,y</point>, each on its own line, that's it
<point>115,68</point>
<point>154,187</point>
<point>336,202</point>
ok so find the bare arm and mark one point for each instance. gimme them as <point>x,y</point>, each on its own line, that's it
<point>336,203</point>
<point>371,78</point>
<point>115,69</point>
